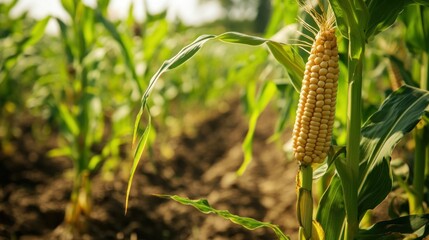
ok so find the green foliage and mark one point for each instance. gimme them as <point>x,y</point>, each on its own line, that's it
<point>417,33</point>
<point>397,116</point>
<point>414,226</point>
<point>203,206</point>
<point>257,105</point>
<point>283,53</point>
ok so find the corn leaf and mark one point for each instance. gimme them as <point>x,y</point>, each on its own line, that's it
<point>37,32</point>
<point>290,59</point>
<point>66,41</point>
<point>125,46</point>
<point>69,6</point>
<point>143,136</point>
<point>382,14</point>
<point>331,213</point>
<point>397,228</point>
<point>286,53</point>
<point>203,206</point>
<point>397,116</point>
<point>352,19</point>
<point>417,34</point>
<point>267,92</point>
<point>69,120</point>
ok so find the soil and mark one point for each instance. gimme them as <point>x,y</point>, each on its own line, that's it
<point>35,188</point>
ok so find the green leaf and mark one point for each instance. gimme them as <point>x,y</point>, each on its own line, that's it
<point>352,19</point>
<point>203,206</point>
<point>397,228</point>
<point>398,115</point>
<point>64,35</point>
<point>335,153</point>
<point>331,212</point>
<point>297,64</point>
<point>68,119</point>
<point>60,152</point>
<point>88,27</point>
<point>235,37</point>
<point>37,32</point>
<point>382,14</point>
<point>378,186</point>
<point>291,60</point>
<point>289,101</point>
<point>267,92</point>
<point>69,6</point>
<point>125,45</point>
<point>416,17</point>
<point>138,152</point>
<point>190,50</point>
<point>350,16</point>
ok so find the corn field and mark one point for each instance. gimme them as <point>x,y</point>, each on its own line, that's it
<point>306,120</point>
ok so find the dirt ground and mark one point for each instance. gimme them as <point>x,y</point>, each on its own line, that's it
<point>35,188</point>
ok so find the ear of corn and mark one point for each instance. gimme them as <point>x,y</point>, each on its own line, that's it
<point>316,109</point>
<point>395,77</point>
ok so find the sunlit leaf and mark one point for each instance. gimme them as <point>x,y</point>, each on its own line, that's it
<point>352,18</point>
<point>68,119</point>
<point>138,152</point>
<point>291,60</point>
<point>37,32</point>
<point>267,92</point>
<point>69,6</point>
<point>203,206</point>
<point>296,67</point>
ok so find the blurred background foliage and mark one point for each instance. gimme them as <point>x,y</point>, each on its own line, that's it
<point>102,64</point>
<point>85,81</point>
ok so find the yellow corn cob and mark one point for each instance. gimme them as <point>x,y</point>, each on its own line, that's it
<point>395,77</point>
<point>316,109</point>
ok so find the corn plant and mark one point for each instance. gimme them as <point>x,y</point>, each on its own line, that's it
<point>81,98</point>
<point>18,58</point>
<point>362,172</point>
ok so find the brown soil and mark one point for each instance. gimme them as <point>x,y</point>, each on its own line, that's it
<point>35,188</point>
